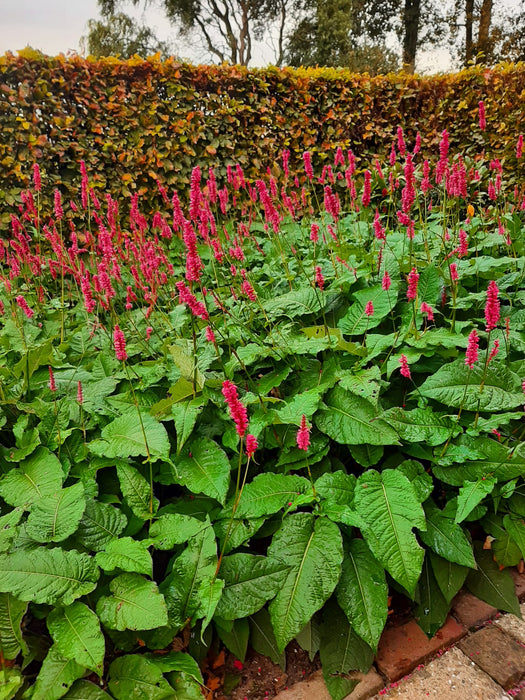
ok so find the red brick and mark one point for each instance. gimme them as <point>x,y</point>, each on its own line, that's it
<point>519,583</point>
<point>403,648</point>
<point>471,611</point>
<point>497,654</point>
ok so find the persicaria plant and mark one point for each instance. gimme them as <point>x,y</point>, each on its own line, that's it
<point>252,413</point>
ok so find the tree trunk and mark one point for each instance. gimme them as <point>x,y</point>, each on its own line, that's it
<point>485,18</point>
<point>411,16</point>
<point>469,43</point>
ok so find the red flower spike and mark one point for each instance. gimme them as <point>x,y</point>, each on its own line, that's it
<point>303,435</point>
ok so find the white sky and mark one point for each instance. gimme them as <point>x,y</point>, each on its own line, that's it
<point>55,26</point>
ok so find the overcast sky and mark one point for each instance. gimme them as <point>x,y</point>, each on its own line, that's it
<point>55,26</point>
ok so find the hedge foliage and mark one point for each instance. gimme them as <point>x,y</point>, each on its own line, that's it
<point>136,121</point>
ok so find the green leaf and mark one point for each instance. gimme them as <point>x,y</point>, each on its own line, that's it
<point>262,638</point>
<point>136,491</point>
<point>203,467</point>
<point>504,550</point>
<point>136,604</point>
<point>432,608</point>
<point>490,584</point>
<point>455,385</point>
<point>100,523</point>
<point>355,322</point>
<point>185,414</point>
<point>298,302</point>
<point>313,551</point>
<point>56,676</point>
<point>236,638</point>
<point>516,529</point>
<point>130,436</point>
<point>52,576</point>
<point>420,480</point>
<point>491,459</point>
<point>363,383</point>
<point>187,365</point>
<point>429,285</point>
<point>449,576</point>
<point>446,539</point>
<point>421,425</point>
<point>472,493</point>
<point>309,637</point>
<point>57,516</point>
<point>126,554</point>
<point>174,528</point>
<point>352,420</point>
<point>39,475</point>
<point>10,682</point>
<point>77,635</point>
<point>8,527</point>
<point>390,509</point>
<point>250,581</point>
<point>12,611</point>
<point>341,651</point>
<point>193,568</point>
<point>85,690</point>
<point>362,592</point>
<point>268,493</point>
<point>336,487</point>
<point>134,677</point>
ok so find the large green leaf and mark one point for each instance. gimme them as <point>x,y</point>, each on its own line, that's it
<point>12,611</point>
<point>516,529</point>
<point>192,570</point>
<point>250,581</point>
<point>56,676</point>
<point>126,554</point>
<point>262,638</point>
<point>39,475</point>
<point>85,690</point>
<point>185,414</point>
<point>136,491</point>
<point>174,528</point>
<point>504,549</point>
<point>449,576</point>
<point>446,538</point>
<point>8,527</point>
<point>352,420</point>
<point>234,635</point>
<point>472,493</point>
<point>131,435</point>
<point>312,549</point>
<point>362,592</point>
<point>455,385</point>
<point>421,425</point>
<point>298,302</point>
<point>52,576</point>
<point>100,523</point>
<point>77,635</point>
<point>134,677</point>
<point>341,651</point>
<point>390,509</point>
<point>203,467</point>
<point>492,459</point>
<point>356,322</point>
<point>135,604</point>
<point>56,516</point>
<point>336,487</point>
<point>432,608</point>
<point>268,493</point>
<point>490,584</point>
<point>11,680</point>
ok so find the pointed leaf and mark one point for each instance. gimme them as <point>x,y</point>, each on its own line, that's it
<point>52,576</point>
<point>262,638</point>
<point>472,493</point>
<point>134,677</point>
<point>236,638</point>
<point>390,509</point>
<point>136,604</point>
<point>39,475</point>
<point>56,676</point>
<point>126,554</point>
<point>432,608</point>
<point>421,425</point>
<point>174,528</point>
<point>12,611</point>
<point>447,539</point>
<point>250,581</point>
<point>352,420</point>
<point>309,637</point>
<point>490,584</point>
<point>449,576</point>
<point>362,592</point>
<point>85,690</point>
<point>203,467</point>
<point>77,635</point>
<point>185,414</point>
<point>313,551</point>
<point>130,436</point>
<point>268,493</point>
<point>57,516</point>
<point>136,491</point>
<point>100,523</point>
<point>516,529</point>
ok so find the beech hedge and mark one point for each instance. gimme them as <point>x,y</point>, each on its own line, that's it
<point>138,121</point>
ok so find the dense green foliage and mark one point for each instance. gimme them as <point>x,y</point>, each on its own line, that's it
<point>337,326</point>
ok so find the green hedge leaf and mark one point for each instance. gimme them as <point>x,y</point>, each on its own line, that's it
<point>445,538</point>
<point>134,677</point>
<point>56,676</point>
<point>12,611</point>
<point>130,436</point>
<point>490,584</point>
<point>39,475</point>
<point>126,554</point>
<point>57,516</point>
<point>77,635</point>
<point>135,604</point>
<point>268,493</point>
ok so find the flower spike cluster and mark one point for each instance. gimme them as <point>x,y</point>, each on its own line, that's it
<point>237,410</point>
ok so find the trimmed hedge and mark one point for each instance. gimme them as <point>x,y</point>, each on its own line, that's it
<point>136,121</point>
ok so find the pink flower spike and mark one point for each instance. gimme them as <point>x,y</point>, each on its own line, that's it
<point>519,147</point>
<point>471,355</point>
<point>119,343</point>
<point>369,309</point>
<point>303,435</point>
<point>237,410</point>
<point>52,385</point>
<point>251,445</point>
<point>22,303</point>
<point>405,371</point>
<point>494,351</point>
<point>412,279</point>
<point>386,282</point>
<point>426,309</point>
<point>38,183</point>
<point>319,278</point>
<point>210,335</point>
<point>481,114</point>
<point>80,395</point>
<point>492,310</point>
<point>454,272</point>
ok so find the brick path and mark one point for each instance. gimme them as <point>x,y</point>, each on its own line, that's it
<point>477,655</point>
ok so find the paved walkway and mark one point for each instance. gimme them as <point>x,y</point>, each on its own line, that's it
<point>479,654</point>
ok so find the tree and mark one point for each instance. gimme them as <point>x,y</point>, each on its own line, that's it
<point>225,28</point>
<point>119,35</point>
